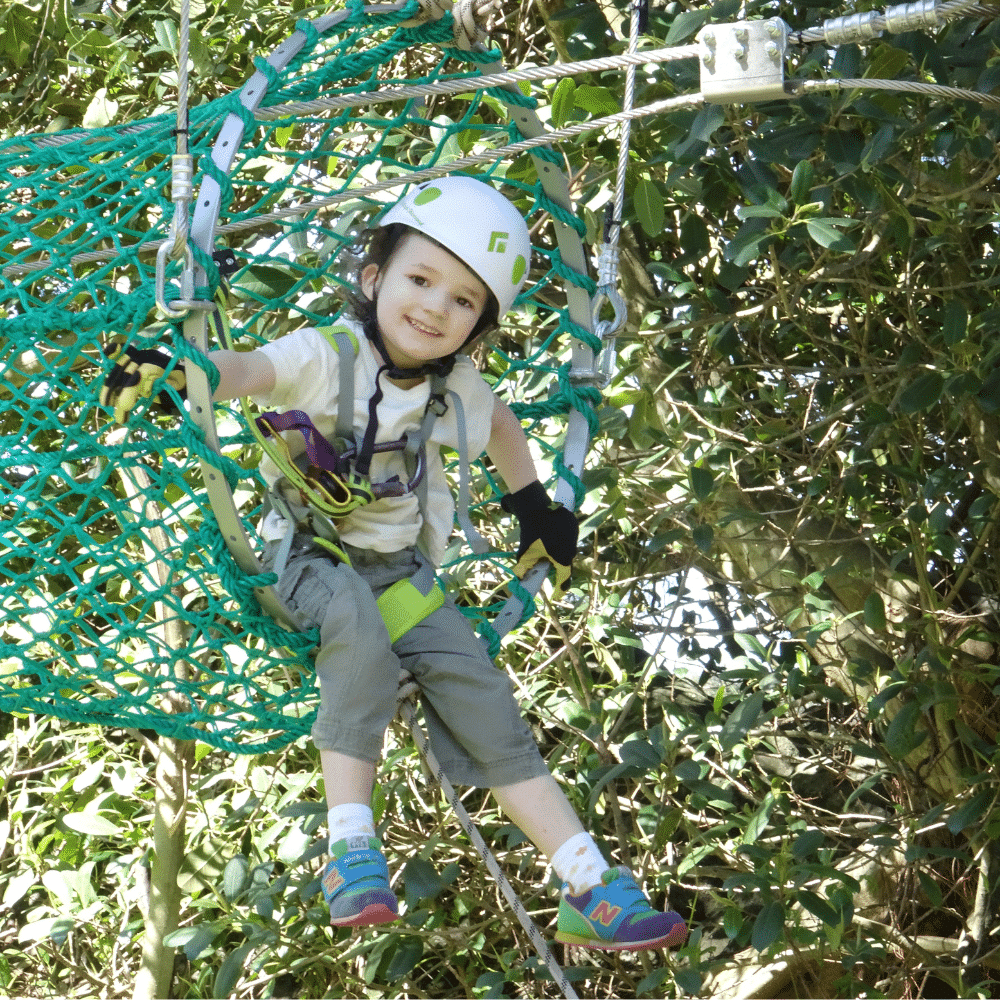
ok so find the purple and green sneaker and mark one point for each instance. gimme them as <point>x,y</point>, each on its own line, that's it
<point>616,916</point>
<point>355,884</point>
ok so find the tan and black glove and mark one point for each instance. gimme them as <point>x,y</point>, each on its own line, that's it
<point>549,531</point>
<point>132,377</point>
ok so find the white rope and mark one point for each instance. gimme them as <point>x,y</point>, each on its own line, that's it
<point>909,86</point>
<point>607,266</point>
<point>387,95</point>
<point>177,246</point>
<point>416,176</point>
<point>406,710</point>
<point>470,17</point>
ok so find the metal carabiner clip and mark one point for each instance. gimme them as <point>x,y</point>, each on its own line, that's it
<point>187,301</point>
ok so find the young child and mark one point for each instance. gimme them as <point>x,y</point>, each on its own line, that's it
<point>442,266</point>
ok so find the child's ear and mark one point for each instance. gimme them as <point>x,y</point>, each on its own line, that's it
<point>369,280</point>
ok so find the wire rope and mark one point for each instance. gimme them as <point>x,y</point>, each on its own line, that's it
<point>899,86</point>
<point>416,176</point>
<point>445,87</point>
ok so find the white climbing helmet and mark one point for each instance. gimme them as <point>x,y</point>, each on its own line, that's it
<point>477,224</point>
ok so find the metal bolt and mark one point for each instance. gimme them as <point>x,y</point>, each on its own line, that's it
<point>708,37</point>
<point>774,29</point>
<point>741,34</point>
<point>708,59</point>
<point>772,50</point>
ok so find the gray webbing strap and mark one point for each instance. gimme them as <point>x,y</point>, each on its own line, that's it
<point>477,543</point>
<point>346,346</point>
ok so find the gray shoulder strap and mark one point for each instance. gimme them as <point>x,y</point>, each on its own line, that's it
<point>439,389</point>
<point>345,343</point>
<point>477,543</point>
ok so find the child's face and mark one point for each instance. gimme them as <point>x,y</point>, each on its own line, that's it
<point>427,301</point>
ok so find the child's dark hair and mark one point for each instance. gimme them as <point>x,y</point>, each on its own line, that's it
<point>376,246</point>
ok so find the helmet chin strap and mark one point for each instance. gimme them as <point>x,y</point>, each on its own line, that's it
<point>439,366</point>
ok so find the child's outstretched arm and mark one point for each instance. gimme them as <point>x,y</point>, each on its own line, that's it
<point>242,373</point>
<point>508,448</point>
<point>548,530</point>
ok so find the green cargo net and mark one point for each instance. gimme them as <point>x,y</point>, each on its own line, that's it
<point>122,603</point>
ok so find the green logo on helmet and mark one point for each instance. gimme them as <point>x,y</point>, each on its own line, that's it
<point>520,266</point>
<point>498,242</point>
<point>427,195</point>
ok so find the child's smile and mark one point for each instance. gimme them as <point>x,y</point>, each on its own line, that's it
<point>427,301</point>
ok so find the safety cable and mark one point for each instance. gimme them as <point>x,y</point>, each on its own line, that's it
<point>608,291</point>
<point>417,176</point>
<point>406,696</point>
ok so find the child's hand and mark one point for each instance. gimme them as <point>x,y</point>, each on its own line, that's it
<point>548,532</point>
<point>132,376</point>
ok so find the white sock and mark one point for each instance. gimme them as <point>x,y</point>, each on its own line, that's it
<point>579,863</point>
<point>350,820</point>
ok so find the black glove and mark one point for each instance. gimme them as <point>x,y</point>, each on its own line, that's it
<point>548,531</point>
<point>132,376</point>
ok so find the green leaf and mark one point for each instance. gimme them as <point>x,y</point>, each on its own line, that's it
<point>768,926</point>
<point>651,985</point>
<point>807,842</point>
<point>91,824</point>
<point>971,811</point>
<point>409,951</point>
<point>686,25</point>
<point>902,736</point>
<point>421,881</point>
<point>747,245</point>
<point>194,940</point>
<point>563,101</point>
<point>642,754</point>
<point>827,236</point>
<point>719,700</point>
<point>818,907</point>
<point>229,972</point>
<point>56,928</point>
<point>759,820</point>
<point>875,612</point>
<point>732,921</point>
<point>922,393</point>
<point>703,536</point>
<point>758,212</point>
<point>955,323</point>
<point>689,980</point>
<point>235,877</point>
<point>931,889</point>
<point>597,100</point>
<point>702,482</point>
<point>741,720</point>
<point>802,180</point>
<point>649,207</point>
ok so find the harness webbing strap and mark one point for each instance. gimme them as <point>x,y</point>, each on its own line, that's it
<point>477,543</point>
<point>406,604</point>
<point>346,345</point>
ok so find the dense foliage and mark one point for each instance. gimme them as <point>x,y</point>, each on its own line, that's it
<point>795,491</point>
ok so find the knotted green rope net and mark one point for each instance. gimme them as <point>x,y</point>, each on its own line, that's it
<point>121,603</point>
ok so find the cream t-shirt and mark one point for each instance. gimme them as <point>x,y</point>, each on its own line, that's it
<point>307,378</point>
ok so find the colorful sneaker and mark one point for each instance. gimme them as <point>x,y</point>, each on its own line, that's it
<point>616,916</point>
<point>356,884</point>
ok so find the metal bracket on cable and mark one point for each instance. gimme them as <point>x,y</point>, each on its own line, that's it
<point>743,61</point>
